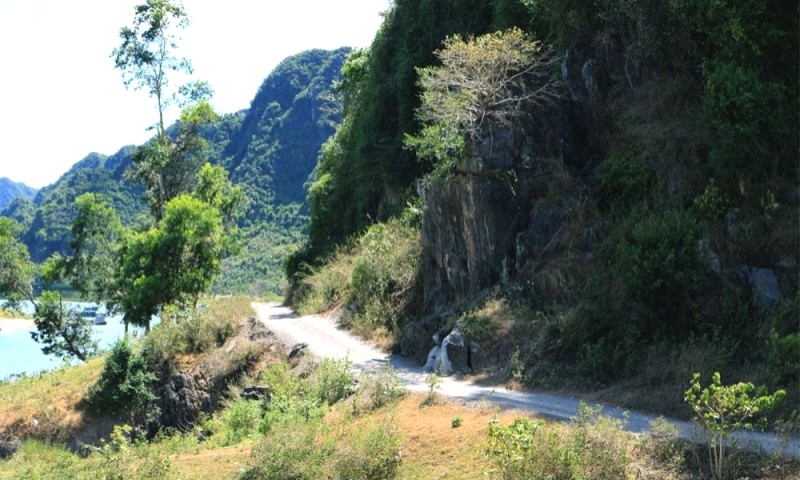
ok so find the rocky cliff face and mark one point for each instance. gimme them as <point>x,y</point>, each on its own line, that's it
<point>495,218</point>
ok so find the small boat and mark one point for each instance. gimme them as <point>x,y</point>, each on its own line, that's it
<point>97,317</point>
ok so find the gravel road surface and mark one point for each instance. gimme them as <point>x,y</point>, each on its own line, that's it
<point>326,339</point>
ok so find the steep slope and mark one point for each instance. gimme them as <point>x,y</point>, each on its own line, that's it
<point>642,224</point>
<point>277,145</point>
<point>10,190</point>
<point>271,148</point>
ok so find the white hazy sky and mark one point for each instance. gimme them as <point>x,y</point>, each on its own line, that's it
<point>61,98</point>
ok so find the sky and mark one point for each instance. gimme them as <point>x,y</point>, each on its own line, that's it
<point>61,98</point>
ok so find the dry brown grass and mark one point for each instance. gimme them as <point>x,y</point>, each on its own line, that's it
<point>46,405</point>
<point>432,448</point>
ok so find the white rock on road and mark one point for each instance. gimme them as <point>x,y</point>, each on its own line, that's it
<point>326,339</point>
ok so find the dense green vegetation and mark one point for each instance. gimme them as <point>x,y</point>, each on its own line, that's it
<point>11,191</point>
<point>270,149</point>
<point>668,157</point>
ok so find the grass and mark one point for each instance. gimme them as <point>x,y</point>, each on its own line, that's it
<point>422,438</point>
<point>46,405</point>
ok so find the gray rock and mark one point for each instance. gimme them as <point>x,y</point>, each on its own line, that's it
<point>8,446</point>
<point>255,392</point>
<point>297,351</point>
<point>764,285</point>
<point>182,399</point>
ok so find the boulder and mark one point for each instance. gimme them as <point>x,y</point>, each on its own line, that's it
<point>8,446</point>
<point>255,392</point>
<point>182,399</point>
<point>297,351</point>
<point>764,286</point>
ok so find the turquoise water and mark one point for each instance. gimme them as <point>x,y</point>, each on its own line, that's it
<point>19,354</point>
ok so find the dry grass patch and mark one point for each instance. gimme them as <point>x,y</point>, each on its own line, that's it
<point>46,405</point>
<point>432,448</point>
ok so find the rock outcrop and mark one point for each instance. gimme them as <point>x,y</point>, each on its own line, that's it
<point>185,396</point>
<point>493,218</point>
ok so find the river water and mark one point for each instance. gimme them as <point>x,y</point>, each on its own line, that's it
<point>19,354</point>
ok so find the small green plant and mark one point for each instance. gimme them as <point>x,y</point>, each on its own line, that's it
<point>456,421</point>
<point>434,383</point>
<point>332,380</point>
<point>241,419</point>
<point>662,441</point>
<point>721,409</point>
<point>378,389</point>
<point>516,367</point>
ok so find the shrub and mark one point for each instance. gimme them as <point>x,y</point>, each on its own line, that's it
<point>783,363</point>
<point>371,452</point>
<point>592,447</point>
<point>293,450</point>
<point>721,409</point>
<point>189,330</point>
<point>748,123</point>
<point>125,385</point>
<point>378,389</point>
<point>332,381</point>
<point>627,179</point>
<point>659,264</point>
<point>241,419</point>
<point>456,421</point>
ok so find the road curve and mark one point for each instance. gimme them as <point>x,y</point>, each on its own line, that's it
<point>325,339</point>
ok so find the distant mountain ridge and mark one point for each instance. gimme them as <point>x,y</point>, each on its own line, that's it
<point>270,148</point>
<point>11,190</point>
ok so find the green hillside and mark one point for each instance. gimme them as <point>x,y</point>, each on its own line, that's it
<point>614,185</point>
<point>10,191</point>
<point>270,148</point>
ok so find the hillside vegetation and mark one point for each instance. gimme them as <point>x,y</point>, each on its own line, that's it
<point>270,149</point>
<point>605,197</point>
<point>11,191</point>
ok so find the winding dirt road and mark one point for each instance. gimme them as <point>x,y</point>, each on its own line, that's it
<point>325,339</point>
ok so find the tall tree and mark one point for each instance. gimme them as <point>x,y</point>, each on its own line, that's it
<point>146,57</point>
<point>146,54</point>
<point>96,233</point>
<point>172,263</point>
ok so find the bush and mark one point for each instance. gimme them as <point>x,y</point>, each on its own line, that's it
<point>378,389</point>
<point>783,363</point>
<point>293,450</point>
<point>242,418</point>
<point>659,264</point>
<point>592,447</point>
<point>125,385</point>
<point>371,452</point>
<point>748,122</point>
<point>627,180</point>
<point>183,331</point>
<point>722,409</point>
<point>332,381</point>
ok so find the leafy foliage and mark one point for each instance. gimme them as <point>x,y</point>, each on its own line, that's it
<point>62,331</point>
<point>96,233</point>
<point>481,85</point>
<point>721,409</point>
<point>659,265</point>
<point>172,263</point>
<point>13,191</point>
<point>125,385</point>
<point>365,173</point>
<point>593,448</point>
